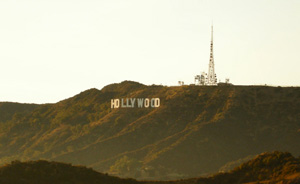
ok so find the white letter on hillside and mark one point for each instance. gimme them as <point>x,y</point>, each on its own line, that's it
<point>157,102</point>
<point>140,102</point>
<point>147,102</point>
<point>132,100</point>
<point>114,103</point>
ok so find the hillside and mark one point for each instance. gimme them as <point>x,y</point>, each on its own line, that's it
<point>37,172</point>
<point>270,167</point>
<point>196,131</point>
<point>9,110</point>
<point>275,167</point>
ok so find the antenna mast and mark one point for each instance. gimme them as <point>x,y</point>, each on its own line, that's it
<point>211,77</point>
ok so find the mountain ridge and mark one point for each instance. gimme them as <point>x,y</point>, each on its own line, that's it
<point>195,131</point>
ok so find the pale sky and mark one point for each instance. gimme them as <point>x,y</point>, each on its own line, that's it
<point>54,49</point>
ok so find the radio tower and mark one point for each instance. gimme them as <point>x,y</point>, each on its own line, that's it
<point>211,76</point>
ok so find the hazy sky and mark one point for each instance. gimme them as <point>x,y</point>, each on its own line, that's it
<point>53,49</point>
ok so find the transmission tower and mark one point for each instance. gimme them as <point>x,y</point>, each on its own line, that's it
<point>211,76</point>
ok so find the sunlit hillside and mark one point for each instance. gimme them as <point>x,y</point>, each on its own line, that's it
<point>196,131</point>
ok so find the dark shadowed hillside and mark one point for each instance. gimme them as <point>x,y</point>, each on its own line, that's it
<point>37,172</point>
<point>276,167</point>
<point>196,131</point>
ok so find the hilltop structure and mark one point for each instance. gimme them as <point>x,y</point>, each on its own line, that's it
<point>209,78</point>
<point>212,77</point>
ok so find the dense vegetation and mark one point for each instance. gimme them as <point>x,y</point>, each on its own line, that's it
<point>196,130</point>
<point>276,167</point>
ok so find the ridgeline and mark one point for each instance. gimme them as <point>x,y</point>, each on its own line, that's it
<point>196,131</point>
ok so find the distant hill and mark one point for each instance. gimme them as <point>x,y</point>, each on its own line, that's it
<point>275,167</point>
<point>196,131</point>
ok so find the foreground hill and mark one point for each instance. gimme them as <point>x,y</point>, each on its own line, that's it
<point>196,131</point>
<point>276,167</point>
<point>37,172</point>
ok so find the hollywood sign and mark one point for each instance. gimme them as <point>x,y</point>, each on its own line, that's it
<point>135,102</point>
